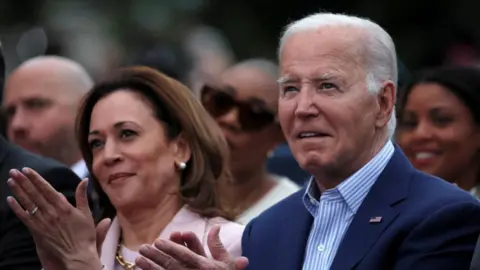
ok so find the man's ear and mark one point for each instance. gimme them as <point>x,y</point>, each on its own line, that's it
<point>386,103</point>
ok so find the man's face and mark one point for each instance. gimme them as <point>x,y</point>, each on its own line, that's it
<point>40,115</point>
<point>328,116</point>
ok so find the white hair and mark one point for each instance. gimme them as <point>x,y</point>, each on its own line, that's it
<point>381,59</point>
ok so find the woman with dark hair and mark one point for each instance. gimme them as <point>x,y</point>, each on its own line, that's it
<point>439,124</point>
<point>243,100</point>
<point>156,158</point>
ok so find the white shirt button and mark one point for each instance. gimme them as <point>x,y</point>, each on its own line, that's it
<point>321,248</point>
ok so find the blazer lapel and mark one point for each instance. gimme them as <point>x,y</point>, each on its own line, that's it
<point>109,246</point>
<point>293,236</point>
<point>378,210</point>
<point>186,221</point>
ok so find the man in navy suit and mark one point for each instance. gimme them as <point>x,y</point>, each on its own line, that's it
<point>365,206</point>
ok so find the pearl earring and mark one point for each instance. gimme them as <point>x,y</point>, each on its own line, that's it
<point>181,165</point>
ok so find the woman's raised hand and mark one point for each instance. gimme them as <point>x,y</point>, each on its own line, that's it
<point>63,234</point>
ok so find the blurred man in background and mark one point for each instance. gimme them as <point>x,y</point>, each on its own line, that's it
<point>40,102</point>
<point>17,248</point>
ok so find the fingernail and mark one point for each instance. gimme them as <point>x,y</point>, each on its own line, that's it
<point>10,182</point>
<point>14,172</point>
<point>9,199</point>
<point>26,170</point>
<point>144,249</point>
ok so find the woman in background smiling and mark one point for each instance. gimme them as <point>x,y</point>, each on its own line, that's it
<point>439,124</point>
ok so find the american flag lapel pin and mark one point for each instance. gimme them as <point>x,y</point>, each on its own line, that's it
<point>376,220</point>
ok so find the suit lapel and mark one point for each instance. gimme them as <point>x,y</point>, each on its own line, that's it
<point>294,235</point>
<point>378,210</point>
<point>362,234</point>
<point>4,148</point>
<point>185,220</point>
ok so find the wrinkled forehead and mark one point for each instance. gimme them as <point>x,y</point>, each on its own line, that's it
<point>336,50</point>
<point>252,84</point>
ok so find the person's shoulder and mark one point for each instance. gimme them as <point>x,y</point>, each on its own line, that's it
<point>284,188</point>
<point>52,170</point>
<point>291,205</point>
<point>430,189</point>
<point>19,157</point>
<point>286,183</point>
<point>431,197</point>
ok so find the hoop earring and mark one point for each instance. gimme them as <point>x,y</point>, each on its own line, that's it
<point>181,165</point>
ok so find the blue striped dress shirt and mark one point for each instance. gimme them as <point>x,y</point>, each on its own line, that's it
<point>336,208</point>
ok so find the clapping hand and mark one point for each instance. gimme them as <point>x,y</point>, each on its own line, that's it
<point>185,252</point>
<point>63,234</point>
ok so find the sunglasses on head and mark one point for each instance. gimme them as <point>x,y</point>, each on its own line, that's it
<point>251,115</point>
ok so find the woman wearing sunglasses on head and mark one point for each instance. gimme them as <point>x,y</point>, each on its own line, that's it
<point>156,159</point>
<point>244,103</point>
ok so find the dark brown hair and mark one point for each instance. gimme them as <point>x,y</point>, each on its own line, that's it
<point>176,107</point>
<point>462,81</point>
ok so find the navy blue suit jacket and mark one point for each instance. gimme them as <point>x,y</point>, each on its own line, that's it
<point>426,223</point>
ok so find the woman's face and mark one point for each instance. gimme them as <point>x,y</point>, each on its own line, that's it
<point>245,109</point>
<point>133,160</point>
<point>437,132</point>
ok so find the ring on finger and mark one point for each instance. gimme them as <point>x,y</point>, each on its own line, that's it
<point>33,211</point>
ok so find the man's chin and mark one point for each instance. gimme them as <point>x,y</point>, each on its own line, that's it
<point>317,163</point>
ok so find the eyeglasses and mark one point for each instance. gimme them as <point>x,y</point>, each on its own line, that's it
<point>251,116</point>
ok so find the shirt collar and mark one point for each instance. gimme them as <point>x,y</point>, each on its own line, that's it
<point>80,169</point>
<point>355,188</point>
